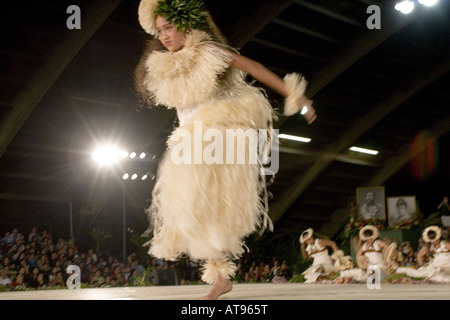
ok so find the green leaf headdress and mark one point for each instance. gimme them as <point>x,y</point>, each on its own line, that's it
<point>185,14</point>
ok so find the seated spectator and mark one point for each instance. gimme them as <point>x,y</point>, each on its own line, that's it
<point>7,238</point>
<point>93,255</point>
<point>6,262</point>
<point>32,261</point>
<point>134,279</point>
<point>5,280</point>
<point>135,265</point>
<point>39,282</point>
<point>266,276</point>
<point>15,234</point>
<point>97,279</point>
<point>58,280</point>
<point>109,282</point>
<point>34,236</point>
<point>32,281</point>
<point>19,282</point>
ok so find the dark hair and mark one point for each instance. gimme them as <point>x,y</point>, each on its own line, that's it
<point>432,234</point>
<point>140,72</point>
<point>368,232</point>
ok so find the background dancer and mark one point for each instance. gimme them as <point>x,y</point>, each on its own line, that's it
<point>317,250</point>
<point>206,210</point>
<point>372,252</point>
<point>437,267</point>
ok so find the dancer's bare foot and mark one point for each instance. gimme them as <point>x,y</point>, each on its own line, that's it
<point>220,287</point>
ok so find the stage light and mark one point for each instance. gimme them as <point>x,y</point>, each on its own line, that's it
<point>123,154</point>
<point>405,6</point>
<point>133,155</point>
<point>144,177</point>
<point>106,155</point>
<point>142,155</point>
<point>134,176</point>
<point>304,110</point>
<point>125,176</point>
<point>428,3</point>
<point>294,138</point>
<point>364,150</point>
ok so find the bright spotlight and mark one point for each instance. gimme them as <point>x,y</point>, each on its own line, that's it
<point>125,176</point>
<point>428,3</point>
<point>134,176</point>
<point>106,155</point>
<point>142,155</point>
<point>123,154</point>
<point>144,177</point>
<point>304,110</point>
<point>133,155</point>
<point>405,6</point>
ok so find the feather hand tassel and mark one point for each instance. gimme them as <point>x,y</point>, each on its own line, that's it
<point>296,85</point>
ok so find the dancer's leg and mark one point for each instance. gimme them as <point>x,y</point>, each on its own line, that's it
<point>218,274</point>
<point>220,287</point>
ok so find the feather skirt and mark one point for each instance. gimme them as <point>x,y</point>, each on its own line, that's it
<point>205,210</point>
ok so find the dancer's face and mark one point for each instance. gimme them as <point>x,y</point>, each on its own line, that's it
<point>169,35</point>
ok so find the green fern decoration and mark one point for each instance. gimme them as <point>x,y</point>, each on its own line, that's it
<point>185,14</point>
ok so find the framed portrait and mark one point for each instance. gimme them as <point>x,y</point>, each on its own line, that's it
<point>371,203</point>
<point>401,209</point>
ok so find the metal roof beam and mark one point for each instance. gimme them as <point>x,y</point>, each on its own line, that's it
<point>26,101</point>
<point>304,30</point>
<point>379,112</point>
<point>263,15</point>
<point>329,13</point>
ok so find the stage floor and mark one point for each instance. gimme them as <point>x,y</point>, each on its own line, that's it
<point>288,291</point>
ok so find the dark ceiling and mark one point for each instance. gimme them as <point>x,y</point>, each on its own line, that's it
<point>66,91</point>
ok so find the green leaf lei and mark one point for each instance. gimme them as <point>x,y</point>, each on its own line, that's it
<point>185,14</point>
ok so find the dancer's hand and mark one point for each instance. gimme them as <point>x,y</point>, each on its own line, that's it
<point>308,111</point>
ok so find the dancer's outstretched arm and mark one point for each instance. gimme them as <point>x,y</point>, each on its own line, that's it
<point>270,79</point>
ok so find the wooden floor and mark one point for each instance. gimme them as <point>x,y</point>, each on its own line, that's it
<point>288,291</point>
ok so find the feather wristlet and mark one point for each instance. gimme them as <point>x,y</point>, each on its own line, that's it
<point>296,85</point>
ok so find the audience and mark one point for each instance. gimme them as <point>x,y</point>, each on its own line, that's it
<point>36,261</point>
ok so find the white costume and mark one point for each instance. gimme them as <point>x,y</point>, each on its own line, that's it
<point>372,255</point>
<point>322,264</point>
<point>204,203</point>
<point>438,269</point>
